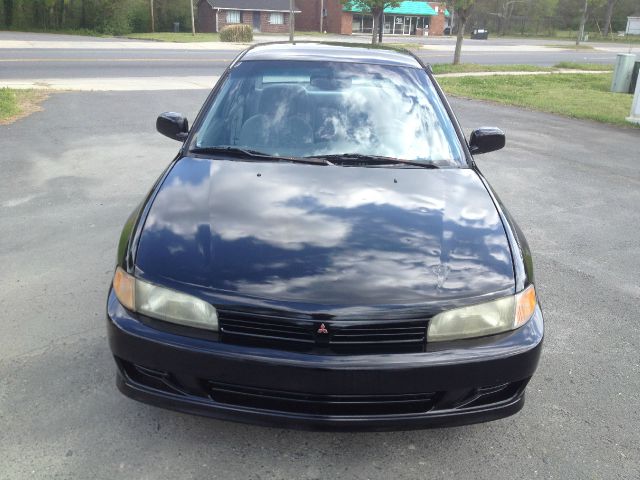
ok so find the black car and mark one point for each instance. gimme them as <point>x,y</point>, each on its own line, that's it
<point>480,34</point>
<point>323,253</point>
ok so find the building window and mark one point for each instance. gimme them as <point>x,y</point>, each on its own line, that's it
<point>276,19</point>
<point>233,16</point>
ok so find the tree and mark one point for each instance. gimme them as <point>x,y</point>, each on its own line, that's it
<point>608,16</point>
<point>193,20</point>
<point>505,12</point>
<point>583,22</point>
<point>153,21</point>
<point>8,12</point>
<point>462,10</point>
<point>376,8</point>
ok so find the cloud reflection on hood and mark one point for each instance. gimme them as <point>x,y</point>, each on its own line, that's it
<point>330,235</point>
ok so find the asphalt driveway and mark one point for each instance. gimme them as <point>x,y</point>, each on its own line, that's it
<point>72,173</point>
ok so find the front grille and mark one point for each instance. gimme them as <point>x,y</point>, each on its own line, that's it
<point>303,334</point>
<point>314,404</point>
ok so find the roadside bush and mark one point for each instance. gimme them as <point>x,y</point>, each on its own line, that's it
<point>139,19</point>
<point>236,33</point>
<point>115,21</point>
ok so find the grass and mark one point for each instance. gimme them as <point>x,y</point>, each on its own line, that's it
<point>567,46</point>
<point>584,96</point>
<point>8,104</point>
<point>584,66</point>
<point>442,68</point>
<point>64,31</point>
<point>298,32</point>
<point>187,37</point>
<point>572,35</point>
<point>401,46</point>
<point>15,104</point>
<point>180,37</point>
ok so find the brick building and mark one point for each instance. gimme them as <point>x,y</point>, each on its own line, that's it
<point>268,16</point>
<point>417,17</point>
<point>409,18</point>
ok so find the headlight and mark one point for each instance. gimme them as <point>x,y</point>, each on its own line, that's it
<point>163,303</point>
<point>487,318</point>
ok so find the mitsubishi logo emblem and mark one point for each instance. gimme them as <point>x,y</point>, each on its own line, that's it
<point>323,329</point>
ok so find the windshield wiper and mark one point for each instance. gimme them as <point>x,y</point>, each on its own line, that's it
<point>248,154</point>
<point>371,159</point>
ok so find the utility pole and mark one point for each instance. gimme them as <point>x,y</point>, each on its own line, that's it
<point>193,21</point>
<point>321,15</point>
<point>153,23</point>
<point>583,21</point>
<point>292,21</point>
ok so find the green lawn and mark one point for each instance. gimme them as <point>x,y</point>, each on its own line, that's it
<point>572,35</point>
<point>568,46</point>
<point>187,37</point>
<point>16,104</point>
<point>584,96</point>
<point>443,68</point>
<point>181,37</point>
<point>8,104</point>
<point>584,66</point>
<point>301,32</point>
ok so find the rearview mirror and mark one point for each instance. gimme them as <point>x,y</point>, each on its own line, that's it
<point>173,125</point>
<point>486,139</point>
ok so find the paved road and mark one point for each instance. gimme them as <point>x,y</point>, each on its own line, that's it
<point>41,56</point>
<point>73,172</point>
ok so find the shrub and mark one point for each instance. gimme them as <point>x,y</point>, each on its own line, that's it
<point>236,33</point>
<point>139,18</point>
<point>115,21</point>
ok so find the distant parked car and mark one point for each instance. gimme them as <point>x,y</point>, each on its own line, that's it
<point>480,34</point>
<point>323,252</point>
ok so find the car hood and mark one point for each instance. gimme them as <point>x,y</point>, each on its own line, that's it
<point>325,235</point>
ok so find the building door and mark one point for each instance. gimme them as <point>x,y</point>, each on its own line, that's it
<point>256,21</point>
<point>407,26</point>
<point>397,25</point>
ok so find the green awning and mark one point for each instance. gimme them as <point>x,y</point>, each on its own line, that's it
<point>405,8</point>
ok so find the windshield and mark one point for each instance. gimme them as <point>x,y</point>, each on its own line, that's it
<point>306,109</point>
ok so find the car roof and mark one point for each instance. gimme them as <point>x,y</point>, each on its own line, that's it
<point>331,52</point>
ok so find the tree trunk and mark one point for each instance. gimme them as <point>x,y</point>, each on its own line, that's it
<point>380,26</point>
<point>63,13</point>
<point>292,21</point>
<point>608,17</point>
<point>374,32</point>
<point>502,18</point>
<point>193,21</point>
<point>153,20</point>
<point>462,20</point>
<point>583,22</point>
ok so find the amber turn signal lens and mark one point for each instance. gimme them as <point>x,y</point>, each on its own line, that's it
<point>124,287</point>
<point>525,306</point>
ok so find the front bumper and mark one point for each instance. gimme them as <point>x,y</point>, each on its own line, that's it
<point>459,383</point>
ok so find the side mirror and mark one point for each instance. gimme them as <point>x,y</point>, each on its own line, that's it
<point>486,139</point>
<point>173,125</point>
